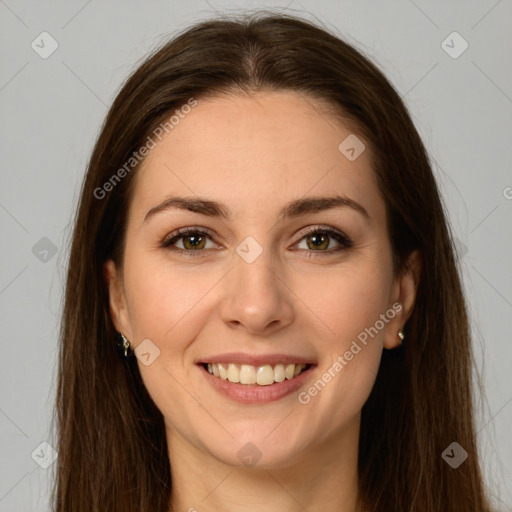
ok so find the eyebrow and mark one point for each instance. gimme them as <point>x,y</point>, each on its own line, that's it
<point>293,209</point>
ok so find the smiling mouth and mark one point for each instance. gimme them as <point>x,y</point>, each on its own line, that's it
<point>264,375</point>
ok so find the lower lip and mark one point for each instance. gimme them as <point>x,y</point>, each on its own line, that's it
<point>254,393</point>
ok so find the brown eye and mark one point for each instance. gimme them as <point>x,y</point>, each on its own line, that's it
<point>318,240</point>
<point>193,241</point>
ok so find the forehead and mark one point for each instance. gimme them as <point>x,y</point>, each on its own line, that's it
<point>255,154</point>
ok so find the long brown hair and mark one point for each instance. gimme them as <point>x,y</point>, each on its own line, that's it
<point>111,439</point>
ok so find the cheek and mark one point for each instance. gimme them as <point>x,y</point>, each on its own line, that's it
<point>349,304</point>
<point>169,307</point>
<point>165,301</point>
<point>345,300</point>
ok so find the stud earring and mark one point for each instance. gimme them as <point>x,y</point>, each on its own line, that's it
<point>124,345</point>
<point>401,335</point>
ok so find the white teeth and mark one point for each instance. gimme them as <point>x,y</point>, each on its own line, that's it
<point>264,375</point>
<point>233,373</point>
<point>223,371</point>
<point>247,374</point>
<point>279,374</point>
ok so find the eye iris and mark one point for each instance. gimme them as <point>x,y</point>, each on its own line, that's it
<point>319,241</point>
<point>195,245</point>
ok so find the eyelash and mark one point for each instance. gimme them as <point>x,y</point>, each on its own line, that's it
<point>341,238</point>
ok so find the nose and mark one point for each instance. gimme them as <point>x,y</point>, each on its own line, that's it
<point>257,298</point>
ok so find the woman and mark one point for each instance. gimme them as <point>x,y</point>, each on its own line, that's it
<point>261,236</point>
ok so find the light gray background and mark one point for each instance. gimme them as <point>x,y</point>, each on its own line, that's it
<point>51,113</point>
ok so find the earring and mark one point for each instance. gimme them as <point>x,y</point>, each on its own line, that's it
<point>401,335</point>
<point>124,345</point>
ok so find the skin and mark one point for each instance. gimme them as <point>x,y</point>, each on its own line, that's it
<point>255,154</point>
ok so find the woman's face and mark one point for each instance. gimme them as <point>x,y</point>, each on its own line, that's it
<point>259,291</point>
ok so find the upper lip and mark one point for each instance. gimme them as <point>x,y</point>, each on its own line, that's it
<point>255,360</point>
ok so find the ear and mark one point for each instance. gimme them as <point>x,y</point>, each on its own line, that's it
<point>404,293</point>
<point>117,299</point>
